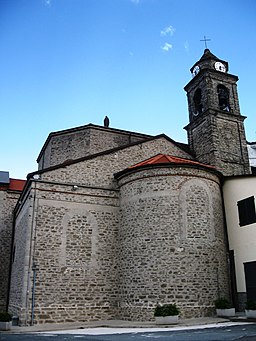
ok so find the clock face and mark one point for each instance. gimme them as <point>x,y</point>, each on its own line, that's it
<point>220,67</point>
<point>196,70</point>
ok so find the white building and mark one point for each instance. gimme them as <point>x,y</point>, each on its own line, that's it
<point>239,201</point>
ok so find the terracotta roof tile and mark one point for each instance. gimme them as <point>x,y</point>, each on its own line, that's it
<point>163,158</point>
<point>16,184</point>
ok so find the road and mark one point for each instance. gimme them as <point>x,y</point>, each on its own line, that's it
<point>246,332</point>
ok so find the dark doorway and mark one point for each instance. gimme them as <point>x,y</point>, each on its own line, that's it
<point>250,280</point>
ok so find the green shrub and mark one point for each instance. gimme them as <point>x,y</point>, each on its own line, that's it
<point>222,303</point>
<point>166,310</point>
<point>250,305</point>
<point>5,317</point>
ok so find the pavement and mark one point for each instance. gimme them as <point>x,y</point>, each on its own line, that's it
<point>204,322</point>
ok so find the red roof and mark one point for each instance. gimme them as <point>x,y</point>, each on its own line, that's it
<point>162,158</point>
<point>16,184</point>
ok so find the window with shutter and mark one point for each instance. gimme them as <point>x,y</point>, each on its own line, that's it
<point>246,211</point>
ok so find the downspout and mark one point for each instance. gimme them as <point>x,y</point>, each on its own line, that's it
<point>34,269</point>
<point>31,265</point>
<point>11,261</point>
<point>34,266</point>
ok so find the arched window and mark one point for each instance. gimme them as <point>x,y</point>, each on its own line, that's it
<point>223,96</point>
<point>198,102</point>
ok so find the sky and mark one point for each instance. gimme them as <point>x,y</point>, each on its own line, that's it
<point>68,63</point>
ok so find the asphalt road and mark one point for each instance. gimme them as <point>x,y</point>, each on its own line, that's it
<point>245,332</point>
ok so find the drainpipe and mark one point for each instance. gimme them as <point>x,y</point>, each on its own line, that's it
<point>34,269</point>
<point>32,242</point>
<point>11,261</point>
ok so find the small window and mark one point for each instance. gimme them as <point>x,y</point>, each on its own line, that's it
<point>246,211</point>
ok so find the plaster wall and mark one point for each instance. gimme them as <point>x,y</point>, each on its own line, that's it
<point>241,239</point>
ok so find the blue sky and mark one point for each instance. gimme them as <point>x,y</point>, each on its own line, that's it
<point>67,63</point>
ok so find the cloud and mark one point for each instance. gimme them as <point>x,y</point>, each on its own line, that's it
<point>166,47</point>
<point>47,2</point>
<point>135,1</point>
<point>169,30</point>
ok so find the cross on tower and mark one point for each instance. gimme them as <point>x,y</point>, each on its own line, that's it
<point>205,41</point>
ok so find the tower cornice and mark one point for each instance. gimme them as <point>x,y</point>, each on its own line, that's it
<point>213,73</point>
<point>214,113</point>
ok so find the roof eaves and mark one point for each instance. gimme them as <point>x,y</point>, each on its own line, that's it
<point>16,185</point>
<point>167,164</point>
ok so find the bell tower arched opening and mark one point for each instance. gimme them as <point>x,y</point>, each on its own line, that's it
<point>223,96</point>
<point>198,102</point>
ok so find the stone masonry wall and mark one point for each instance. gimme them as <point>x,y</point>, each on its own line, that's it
<point>172,246</point>
<point>8,200</point>
<point>209,84</point>
<point>201,140</point>
<point>74,237</point>
<point>220,141</point>
<point>21,262</point>
<point>73,252</point>
<point>82,142</point>
<point>99,170</point>
<point>229,82</point>
<point>234,158</point>
<point>217,137</point>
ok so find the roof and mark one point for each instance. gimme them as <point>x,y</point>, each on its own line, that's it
<point>13,185</point>
<point>163,159</point>
<point>208,55</point>
<point>17,184</point>
<point>182,146</point>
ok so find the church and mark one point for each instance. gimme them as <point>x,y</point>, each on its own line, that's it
<point>114,222</point>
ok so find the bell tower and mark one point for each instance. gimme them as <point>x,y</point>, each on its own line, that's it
<point>216,130</point>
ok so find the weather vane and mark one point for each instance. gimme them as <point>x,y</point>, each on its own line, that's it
<point>205,41</point>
